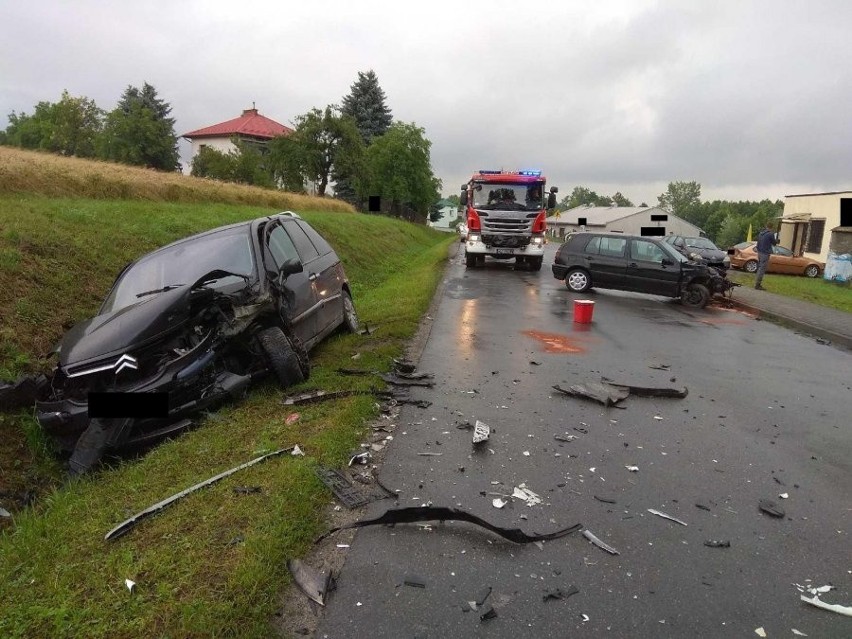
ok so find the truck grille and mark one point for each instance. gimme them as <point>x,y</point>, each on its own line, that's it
<point>519,223</point>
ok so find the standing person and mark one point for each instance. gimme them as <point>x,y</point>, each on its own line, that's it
<point>765,241</point>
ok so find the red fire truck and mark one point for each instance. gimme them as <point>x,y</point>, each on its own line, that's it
<point>506,216</point>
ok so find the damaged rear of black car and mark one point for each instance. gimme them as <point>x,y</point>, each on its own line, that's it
<point>191,325</point>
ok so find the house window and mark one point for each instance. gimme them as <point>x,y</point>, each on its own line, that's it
<point>816,229</point>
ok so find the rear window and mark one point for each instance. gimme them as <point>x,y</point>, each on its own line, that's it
<point>606,246</point>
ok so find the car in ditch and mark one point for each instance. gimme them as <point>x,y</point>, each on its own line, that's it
<point>636,263</point>
<point>781,260</point>
<point>700,249</point>
<point>190,325</point>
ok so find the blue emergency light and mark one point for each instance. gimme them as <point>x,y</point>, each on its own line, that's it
<point>531,173</point>
<point>482,172</point>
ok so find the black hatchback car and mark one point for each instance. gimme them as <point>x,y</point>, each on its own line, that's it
<point>192,324</point>
<point>635,263</point>
<point>700,249</point>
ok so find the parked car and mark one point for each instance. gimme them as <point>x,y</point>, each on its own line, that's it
<point>782,260</point>
<point>635,263</point>
<point>195,322</point>
<point>700,249</point>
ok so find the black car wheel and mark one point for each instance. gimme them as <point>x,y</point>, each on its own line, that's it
<point>812,270</point>
<point>470,259</point>
<point>301,354</point>
<point>280,355</point>
<point>535,263</point>
<point>350,317</point>
<point>751,266</point>
<point>695,296</point>
<point>578,280</point>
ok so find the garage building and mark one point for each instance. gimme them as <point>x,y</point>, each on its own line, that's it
<point>632,220</point>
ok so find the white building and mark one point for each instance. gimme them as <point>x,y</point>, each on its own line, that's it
<point>819,226</point>
<point>631,220</point>
<point>249,127</point>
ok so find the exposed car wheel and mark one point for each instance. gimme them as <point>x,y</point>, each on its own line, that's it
<point>350,317</point>
<point>535,263</point>
<point>578,280</point>
<point>89,449</point>
<point>280,355</point>
<point>695,296</point>
<point>469,259</point>
<point>301,354</point>
<point>751,266</point>
<point>812,270</point>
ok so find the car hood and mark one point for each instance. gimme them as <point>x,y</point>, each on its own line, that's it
<point>711,255</point>
<point>114,333</point>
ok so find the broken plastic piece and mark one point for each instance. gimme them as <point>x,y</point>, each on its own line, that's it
<point>246,490</point>
<point>344,490</point>
<point>816,601</point>
<point>760,632</point>
<point>415,581</point>
<point>771,508</point>
<point>649,391</point>
<point>396,380</point>
<point>702,507</point>
<point>481,432</point>
<point>321,395</point>
<point>313,583</point>
<point>360,458</point>
<point>712,543</point>
<point>565,438</point>
<point>632,469</point>
<point>797,633</point>
<point>558,593</point>
<point>482,595</point>
<point>783,495</point>
<point>297,452</point>
<point>292,418</point>
<point>130,584</point>
<point>367,330</point>
<point>665,516</point>
<point>605,500</point>
<point>524,493</point>
<point>600,544</point>
<point>498,503</point>
<point>438,513</point>
<point>603,393</point>
<point>126,525</point>
<point>488,613</point>
<point>404,366</point>
<point>4,512</point>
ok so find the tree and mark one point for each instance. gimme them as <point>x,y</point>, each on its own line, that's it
<point>69,127</point>
<point>138,131</point>
<point>732,230</point>
<point>365,104</point>
<point>325,143</point>
<point>455,200</point>
<point>683,199</point>
<point>619,200</point>
<point>399,171</point>
<point>245,165</point>
<point>581,196</point>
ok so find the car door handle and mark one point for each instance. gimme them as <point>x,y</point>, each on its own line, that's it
<point>313,277</point>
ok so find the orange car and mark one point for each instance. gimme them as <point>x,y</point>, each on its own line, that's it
<point>782,260</point>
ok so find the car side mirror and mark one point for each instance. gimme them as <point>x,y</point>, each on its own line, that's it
<point>463,198</point>
<point>667,261</point>
<point>551,199</point>
<point>291,267</point>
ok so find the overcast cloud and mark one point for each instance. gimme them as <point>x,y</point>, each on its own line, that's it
<point>751,99</point>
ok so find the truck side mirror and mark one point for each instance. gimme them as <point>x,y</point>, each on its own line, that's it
<point>554,189</point>
<point>463,198</point>
<point>551,200</point>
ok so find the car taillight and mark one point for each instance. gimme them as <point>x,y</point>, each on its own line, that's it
<point>473,222</point>
<point>540,224</point>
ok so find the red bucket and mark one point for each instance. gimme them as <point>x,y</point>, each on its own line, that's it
<point>583,310</point>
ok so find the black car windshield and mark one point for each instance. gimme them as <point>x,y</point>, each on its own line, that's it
<point>673,253</point>
<point>699,242</point>
<point>511,197</point>
<point>228,250</point>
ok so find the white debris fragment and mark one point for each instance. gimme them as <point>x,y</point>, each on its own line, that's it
<point>585,618</point>
<point>524,493</point>
<point>600,544</point>
<point>526,453</point>
<point>632,469</point>
<point>130,584</point>
<point>481,432</point>
<point>498,502</point>
<point>816,601</point>
<point>592,469</point>
<point>297,451</point>
<point>4,512</point>
<point>665,516</point>
<point>797,633</point>
<point>760,632</point>
<point>783,495</point>
<point>343,545</point>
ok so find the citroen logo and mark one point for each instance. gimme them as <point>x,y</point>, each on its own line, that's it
<point>125,361</point>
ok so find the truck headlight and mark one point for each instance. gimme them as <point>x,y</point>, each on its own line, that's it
<point>472,237</point>
<point>537,240</point>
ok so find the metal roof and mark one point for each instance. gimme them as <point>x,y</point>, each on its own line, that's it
<point>250,123</point>
<point>599,215</point>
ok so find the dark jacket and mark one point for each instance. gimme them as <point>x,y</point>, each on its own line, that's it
<point>765,241</point>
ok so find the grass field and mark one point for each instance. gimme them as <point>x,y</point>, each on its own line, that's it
<point>215,563</point>
<point>817,291</point>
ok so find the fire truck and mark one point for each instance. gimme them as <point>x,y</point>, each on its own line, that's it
<point>506,213</point>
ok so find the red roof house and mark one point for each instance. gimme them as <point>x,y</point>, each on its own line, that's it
<point>250,126</point>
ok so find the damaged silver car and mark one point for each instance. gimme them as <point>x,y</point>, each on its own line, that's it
<point>190,325</point>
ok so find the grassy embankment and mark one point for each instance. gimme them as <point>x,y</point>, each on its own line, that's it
<point>213,564</point>
<point>817,291</point>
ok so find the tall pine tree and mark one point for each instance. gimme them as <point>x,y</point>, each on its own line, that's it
<point>365,104</point>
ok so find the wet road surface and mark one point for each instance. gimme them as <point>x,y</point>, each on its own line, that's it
<point>768,413</point>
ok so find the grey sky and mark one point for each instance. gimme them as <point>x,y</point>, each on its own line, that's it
<point>751,99</point>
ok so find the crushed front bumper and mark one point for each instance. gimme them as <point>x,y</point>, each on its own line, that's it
<point>505,247</point>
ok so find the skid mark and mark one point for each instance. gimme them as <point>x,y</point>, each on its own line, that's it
<point>556,343</point>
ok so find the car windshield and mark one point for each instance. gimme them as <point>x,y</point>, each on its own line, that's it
<point>673,253</point>
<point>512,197</point>
<point>185,263</point>
<point>699,242</point>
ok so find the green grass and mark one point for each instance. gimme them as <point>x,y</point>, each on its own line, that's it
<point>817,290</point>
<point>58,577</point>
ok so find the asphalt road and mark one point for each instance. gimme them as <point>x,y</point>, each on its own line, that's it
<point>768,412</point>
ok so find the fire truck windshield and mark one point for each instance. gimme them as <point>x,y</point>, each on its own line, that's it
<point>511,197</point>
